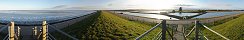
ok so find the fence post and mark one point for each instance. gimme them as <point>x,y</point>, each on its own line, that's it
<point>44,31</point>
<point>164,28</point>
<point>197,24</point>
<point>18,34</point>
<point>11,31</point>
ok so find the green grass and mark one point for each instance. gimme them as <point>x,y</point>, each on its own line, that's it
<point>215,23</point>
<point>106,26</point>
<point>212,24</point>
<point>233,30</point>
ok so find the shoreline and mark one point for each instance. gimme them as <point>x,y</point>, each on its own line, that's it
<point>190,21</point>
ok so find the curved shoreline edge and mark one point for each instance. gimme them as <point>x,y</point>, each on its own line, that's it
<point>190,21</point>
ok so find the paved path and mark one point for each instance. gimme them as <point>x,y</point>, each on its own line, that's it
<point>178,34</point>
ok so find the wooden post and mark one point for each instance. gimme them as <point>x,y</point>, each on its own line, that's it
<point>164,28</point>
<point>11,31</point>
<point>35,31</point>
<point>18,34</point>
<point>197,24</point>
<point>44,31</point>
<point>18,31</point>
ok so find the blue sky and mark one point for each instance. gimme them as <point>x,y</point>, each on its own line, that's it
<point>118,4</point>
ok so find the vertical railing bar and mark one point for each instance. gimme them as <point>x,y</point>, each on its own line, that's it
<point>164,29</point>
<point>197,24</point>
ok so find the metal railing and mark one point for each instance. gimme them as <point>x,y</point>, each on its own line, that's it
<point>215,32</point>
<point>148,31</point>
<point>197,31</point>
<point>6,37</point>
<point>58,30</point>
<point>163,31</point>
<point>51,37</point>
<point>196,28</point>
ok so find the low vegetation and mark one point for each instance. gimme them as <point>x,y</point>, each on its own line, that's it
<point>233,30</point>
<point>106,26</point>
<point>212,24</point>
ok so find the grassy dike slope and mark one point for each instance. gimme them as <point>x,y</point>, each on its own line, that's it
<point>233,30</point>
<point>106,26</point>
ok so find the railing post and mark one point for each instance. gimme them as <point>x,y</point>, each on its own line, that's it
<point>34,32</point>
<point>164,28</point>
<point>18,34</point>
<point>44,31</point>
<point>197,24</point>
<point>11,31</point>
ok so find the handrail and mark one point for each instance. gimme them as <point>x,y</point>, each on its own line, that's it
<point>171,36</point>
<point>190,31</point>
<point>215,32</point>
<point>5,38</point>
<point>138,38</point>
<point>158,38</point>
<point>51,36</point>
<point>3,29</point>
<point>158,34</point>
<point>204,36</point>
<point>63,33</point>
<point>38,37</point>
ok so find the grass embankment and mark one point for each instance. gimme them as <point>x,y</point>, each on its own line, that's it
<point>212,24</point>
<point>215,23</point>
<point>107,26</point>
<point>233,30</point>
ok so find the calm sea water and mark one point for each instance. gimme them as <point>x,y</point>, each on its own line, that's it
<point>37,16</point>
